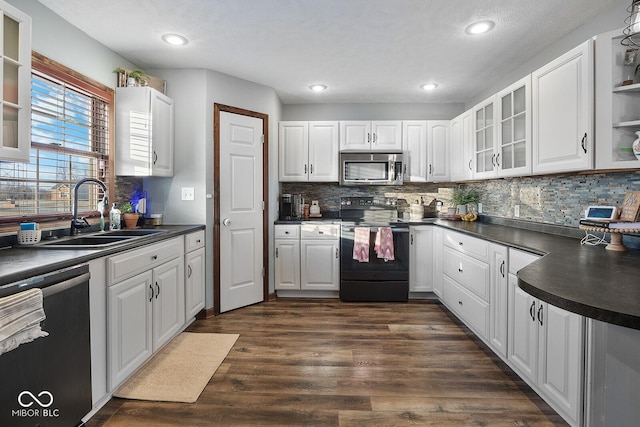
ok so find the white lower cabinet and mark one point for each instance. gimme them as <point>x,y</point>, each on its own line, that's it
<point>546,348</point>
<point>320,257</point>
<point>287,257</point>
<point>307,257</point>
<point>437,261</point>
<point>145,306</point>
<point>421,273</point>
<point>194,273</point>
<point>499,289</point>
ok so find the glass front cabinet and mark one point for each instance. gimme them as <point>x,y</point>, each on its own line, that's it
<point>15,139</point>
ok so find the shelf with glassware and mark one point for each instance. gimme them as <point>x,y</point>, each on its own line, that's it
<point>617,102</point>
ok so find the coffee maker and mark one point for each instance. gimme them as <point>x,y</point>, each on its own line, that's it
<point>286,207</point>
<point>291,206</point>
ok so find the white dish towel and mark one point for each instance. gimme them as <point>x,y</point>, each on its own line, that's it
<point>20,317</point>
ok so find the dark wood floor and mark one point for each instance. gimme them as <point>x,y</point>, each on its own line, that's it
<point>328,363</point>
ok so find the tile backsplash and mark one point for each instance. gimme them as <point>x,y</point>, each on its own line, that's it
<point>553,199</point>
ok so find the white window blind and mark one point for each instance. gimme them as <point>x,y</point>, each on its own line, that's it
<point>69,142</point>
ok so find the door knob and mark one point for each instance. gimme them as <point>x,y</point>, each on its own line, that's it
<point>226,221</point>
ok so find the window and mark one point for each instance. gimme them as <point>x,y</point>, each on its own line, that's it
<point>70,136</point>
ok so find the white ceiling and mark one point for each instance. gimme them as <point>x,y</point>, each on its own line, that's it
<point>365,51</point>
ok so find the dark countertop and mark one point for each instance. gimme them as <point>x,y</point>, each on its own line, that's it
<point>588,280</point>
<point>18,263</point>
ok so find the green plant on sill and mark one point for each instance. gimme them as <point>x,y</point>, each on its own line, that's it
<point>126,208</point>
<point>462,197</point>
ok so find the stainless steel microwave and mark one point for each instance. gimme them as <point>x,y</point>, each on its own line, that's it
<point>370,168</point>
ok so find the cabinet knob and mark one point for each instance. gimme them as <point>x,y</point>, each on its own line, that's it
<point>460,302</point>
<point>154,257</point>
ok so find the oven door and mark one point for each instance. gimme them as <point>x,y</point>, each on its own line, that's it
<point>376,280</point>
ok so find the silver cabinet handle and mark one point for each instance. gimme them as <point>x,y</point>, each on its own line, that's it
<point>189,271</point>
<point>498,159</point>
<point>470,168</point>
<point>226,222</point>
<point>305,169</point>
<point>276,252</point>
<point>311,169</point>
<point>374,138</point>
<point>337,253</point>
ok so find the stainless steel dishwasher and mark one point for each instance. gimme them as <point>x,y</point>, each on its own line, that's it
<point>47,382</point>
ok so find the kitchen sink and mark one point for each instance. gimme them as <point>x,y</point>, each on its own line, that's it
<point>133,232</point>
<point>96,241</point>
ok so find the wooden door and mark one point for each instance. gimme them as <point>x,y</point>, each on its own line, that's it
<point>241,211</point>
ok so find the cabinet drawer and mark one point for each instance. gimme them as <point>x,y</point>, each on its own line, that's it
<point>519,259</point>
<point>194,241</point>
<point>132,262</point>
<point>287,232</point>
<point>466,244</point>
<point>320,231</point>
<point>473,274</point>
<point>473,311</point>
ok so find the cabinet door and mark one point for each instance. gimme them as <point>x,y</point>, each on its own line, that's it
<point>293,147</point>
<point>324,151</point>
<point>129,326</point>
<point>560,368</point>
<point>15,140</point>
<point>484,136</point>
<point>320,265</point>
<point>414,148</point>
<point>133,131</point>
<point>194,282</point>
<point>562,113</point>
<point>355,136</point>
<point>438,150</point>
<point>461,147</point>
<point>421,259</point>
<point>438,247</point>
<point>161,134</point>
<point>387,136</point>
<point>513,112</point>
<point>168,301</point>
<point>523,331</point>
<point>499,302</point>
<point>287,264</point>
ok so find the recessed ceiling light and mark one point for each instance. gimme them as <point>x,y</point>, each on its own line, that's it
<point>429,86</point>
<point>479,27</point>
<point>318,88</point>
<point>174,39</point>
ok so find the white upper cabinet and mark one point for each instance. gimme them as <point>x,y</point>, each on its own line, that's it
<point>461,147</point>
<point>144,132</point>
<point>562,113</point>
<point>484,135</point>
<point>414,148</point>
<point>293,149</point>
<point>438,150</point>
<point>513,126</point>
<point>617,114</point>
<point>380,136</point>
<point>308,151</point>
<point>324,154</point>
<point>15,139</point>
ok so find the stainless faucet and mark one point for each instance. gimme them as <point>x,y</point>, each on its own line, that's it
<point>82,222</point>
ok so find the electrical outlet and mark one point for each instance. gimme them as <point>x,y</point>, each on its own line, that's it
<point>479,207</point>
<point>188,193</point>
<point>516,211</point>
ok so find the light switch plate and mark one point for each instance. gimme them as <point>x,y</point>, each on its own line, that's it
<point>188,193</point>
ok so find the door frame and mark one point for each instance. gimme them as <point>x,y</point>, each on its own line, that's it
<point>217,109</point>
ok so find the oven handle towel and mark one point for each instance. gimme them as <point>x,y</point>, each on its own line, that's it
<point>384,244</point>
<point>361,244</point>
<point>20,317</point>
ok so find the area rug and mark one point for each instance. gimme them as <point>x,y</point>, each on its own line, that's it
<point>181,370</point>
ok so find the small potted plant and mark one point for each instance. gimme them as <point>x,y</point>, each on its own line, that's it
<point>135,77</point>
<point>129,215</point>
<point>462,198</point>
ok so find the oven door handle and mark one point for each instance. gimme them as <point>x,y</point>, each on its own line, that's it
<point>393,230</point>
